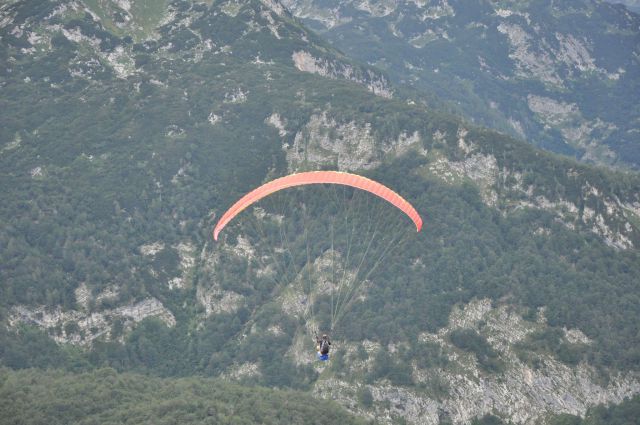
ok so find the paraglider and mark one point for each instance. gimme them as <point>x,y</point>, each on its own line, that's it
<point>356,261</point>
<point>322,347</point>
<point>319,177</point>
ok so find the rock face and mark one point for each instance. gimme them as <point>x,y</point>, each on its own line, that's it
<point>347,146</point>
<point>216,301</point>
<point>520,393</point>
<point>187,260</point>
<point>323,141</point>
<point>613,223</point>
<point>574,127</point>
<point>210,294</point>
<point>376,84</point>
<point>83,328</point>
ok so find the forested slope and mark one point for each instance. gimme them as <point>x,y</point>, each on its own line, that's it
<point>107,397</point>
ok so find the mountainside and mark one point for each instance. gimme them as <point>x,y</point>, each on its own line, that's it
<point>128,128</point>
<point>562,75</point>
<point>633,5</point>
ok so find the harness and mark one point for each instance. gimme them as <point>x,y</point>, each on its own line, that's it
<point>324,347</point>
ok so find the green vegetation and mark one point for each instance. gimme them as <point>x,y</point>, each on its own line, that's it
<point>626,413</point>
<point>106,397</point>
<point>470,340</point>
<point>550,341</point>
<point>365,397</point>
<point>141,20</point>
<point>488,420</point>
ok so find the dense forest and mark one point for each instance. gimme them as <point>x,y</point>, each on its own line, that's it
<point>106,397</point>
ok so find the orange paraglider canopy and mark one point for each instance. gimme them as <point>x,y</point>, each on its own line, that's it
<point>319,177</point>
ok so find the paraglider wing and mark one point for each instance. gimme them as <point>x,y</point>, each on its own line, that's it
<point>319,177</point>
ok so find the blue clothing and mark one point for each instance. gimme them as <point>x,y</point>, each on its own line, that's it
<point>323,357</point>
